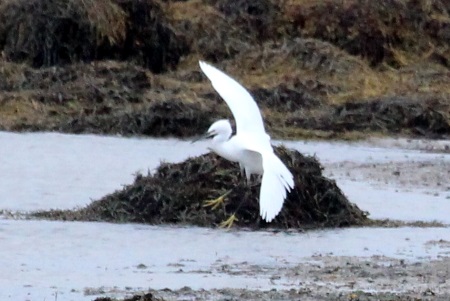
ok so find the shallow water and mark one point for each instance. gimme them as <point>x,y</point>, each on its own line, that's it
<point>51,170</point>
<point>44,260</point>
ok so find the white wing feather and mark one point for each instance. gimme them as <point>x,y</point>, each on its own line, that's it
<point>241,103</point>
<point>276,182</point>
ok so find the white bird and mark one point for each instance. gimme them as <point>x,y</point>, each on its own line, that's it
<point>250,147</point>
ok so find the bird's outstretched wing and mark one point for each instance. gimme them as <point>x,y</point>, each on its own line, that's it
<point>276,182</point>
<point>241,103</point>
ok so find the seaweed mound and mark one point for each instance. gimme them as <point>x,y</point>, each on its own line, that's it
<point>321,69</point>
<point>175,194</point>
<point>55,32</point>
<point>376,30</point>
<point>159,119</point>
<point>427,116</point>
<point>258,18</point>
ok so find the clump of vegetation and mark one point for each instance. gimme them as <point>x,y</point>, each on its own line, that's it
<point>170,118</point>
<point>55,32</point>
<point>417,116</point>
<point>316,68</point>
<point>377,30</point>
<point>175,194</point>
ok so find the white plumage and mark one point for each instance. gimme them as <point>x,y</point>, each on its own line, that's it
<point>250,147</point>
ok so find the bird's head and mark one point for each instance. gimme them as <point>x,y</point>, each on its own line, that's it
<point>219,131</point>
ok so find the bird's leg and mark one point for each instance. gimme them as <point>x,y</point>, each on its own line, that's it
<point>256,180</point>
<point>229,221</point>
<point>216,202</point>
<point>248,177</point>
<point>243,172</point>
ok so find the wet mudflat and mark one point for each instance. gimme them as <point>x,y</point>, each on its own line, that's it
<point>85,261</point>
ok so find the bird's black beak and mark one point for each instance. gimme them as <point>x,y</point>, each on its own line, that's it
<point>202,137</point>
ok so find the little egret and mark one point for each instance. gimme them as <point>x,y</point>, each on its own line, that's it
<point>250,147</point>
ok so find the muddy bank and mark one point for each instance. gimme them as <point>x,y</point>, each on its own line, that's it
<point>334,278</point>
<point>175,194</point>
<point>325,69</point>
